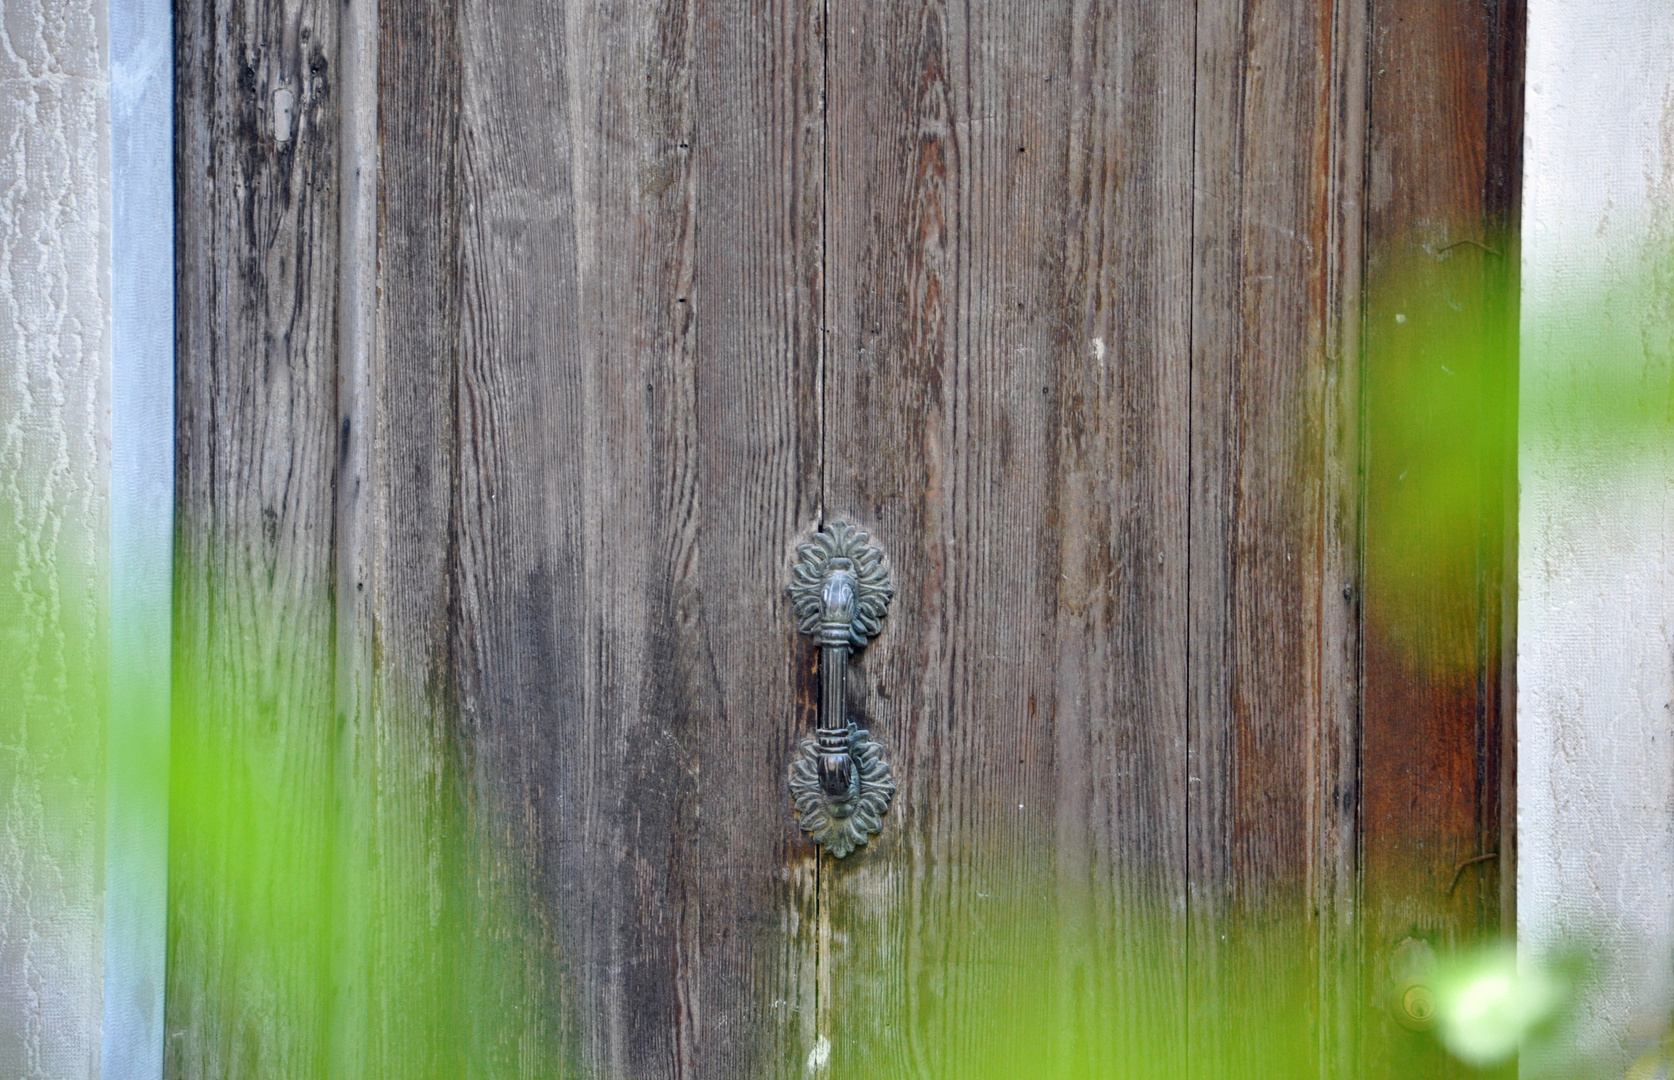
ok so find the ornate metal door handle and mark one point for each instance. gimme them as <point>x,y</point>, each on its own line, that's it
<point>840,591</point>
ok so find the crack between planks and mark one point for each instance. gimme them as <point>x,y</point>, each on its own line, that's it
<point>1191,501</point>
<point>822,957</point>
<point>353,522</point>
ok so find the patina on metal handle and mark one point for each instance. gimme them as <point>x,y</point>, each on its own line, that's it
<point>841,783</point>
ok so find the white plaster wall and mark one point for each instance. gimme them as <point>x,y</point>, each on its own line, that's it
<point>1596,561</point>
<point>54,469</point>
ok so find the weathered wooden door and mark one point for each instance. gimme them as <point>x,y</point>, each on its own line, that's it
<point>522,342</point>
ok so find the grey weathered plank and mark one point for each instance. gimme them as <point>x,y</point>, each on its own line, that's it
<point>1265,734</point>
<point>404,770</point>
<point>1009,287</point>
<point>599,351</point>
<point>356,1030</point>
<point>253,737</point>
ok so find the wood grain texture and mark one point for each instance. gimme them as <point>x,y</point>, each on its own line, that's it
<point>1063,301</point>
<point>598,437</point>
<point>950,248</point>
<point>407,765</point>
<point>1269,736</point>
<point>1444,160</point>
<point>249,863</point>
<point>1258,352</point>
<point>1009,269</point>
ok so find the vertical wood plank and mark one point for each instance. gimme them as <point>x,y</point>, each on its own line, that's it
<point>1121,509</point>
<point>1334,754</point>
<point>1267,735</point>
<point>249,864</point>
<point>355,1030</point>
<point>1009,289</point>
<point>1260,213</point>
<point>1444,156</point>
<point>623,318</point>
<point>405,760</point>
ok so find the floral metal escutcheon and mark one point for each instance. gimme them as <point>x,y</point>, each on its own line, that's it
<point>840,591</point>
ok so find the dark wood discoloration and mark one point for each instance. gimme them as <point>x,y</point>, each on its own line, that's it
<point>408,775</point>
<point>624,327</point>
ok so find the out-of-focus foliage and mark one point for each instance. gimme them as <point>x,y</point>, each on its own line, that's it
<point>1447,414</point>
<point>1439,408</point>
<point>1487,1008</point>
<point>344,876</point>
<point>1042,989</point>
<point>54,697</point>
<point>1043,986</point>
<point>343,901</point>
<point>1657,1062</point>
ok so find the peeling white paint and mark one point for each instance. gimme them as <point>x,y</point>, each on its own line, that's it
<point>820,1055</point>
<point>284,110</point>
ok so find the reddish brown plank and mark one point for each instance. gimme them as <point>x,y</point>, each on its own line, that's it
<point>1444,158</point>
